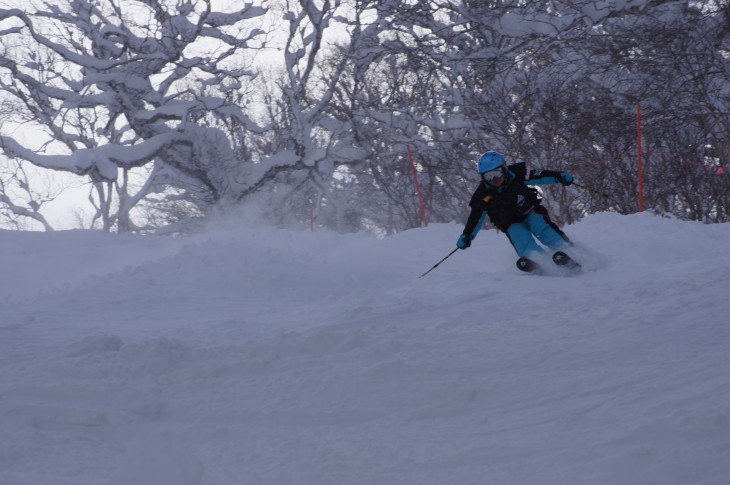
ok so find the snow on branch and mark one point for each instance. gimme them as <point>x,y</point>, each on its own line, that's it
<point>103,160</point>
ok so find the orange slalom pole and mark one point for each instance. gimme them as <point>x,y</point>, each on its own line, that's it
<point>640,168</point>
<point>418,187</point>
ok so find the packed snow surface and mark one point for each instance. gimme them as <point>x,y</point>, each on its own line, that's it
<point>257,356</point>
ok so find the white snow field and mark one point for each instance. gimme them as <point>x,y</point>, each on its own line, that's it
<point>257,356</point>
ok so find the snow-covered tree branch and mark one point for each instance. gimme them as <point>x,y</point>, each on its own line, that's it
<point>115,85</point>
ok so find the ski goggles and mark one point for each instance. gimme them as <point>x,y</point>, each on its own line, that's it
<point>493,174</point>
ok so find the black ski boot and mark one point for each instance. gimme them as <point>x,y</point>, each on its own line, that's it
<point>528,266</point>
<point>562,259</point>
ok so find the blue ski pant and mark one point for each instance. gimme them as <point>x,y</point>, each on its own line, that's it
<point>537,224</point>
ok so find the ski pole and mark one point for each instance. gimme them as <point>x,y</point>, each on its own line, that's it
<point>435,265</point>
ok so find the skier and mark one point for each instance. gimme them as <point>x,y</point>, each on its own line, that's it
<point>505,195</point>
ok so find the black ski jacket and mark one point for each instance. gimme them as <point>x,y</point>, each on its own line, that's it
<point>510,202</point>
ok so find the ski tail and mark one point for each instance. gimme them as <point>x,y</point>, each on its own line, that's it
<point>562,259</point>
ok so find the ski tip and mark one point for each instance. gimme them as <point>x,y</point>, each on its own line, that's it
<point>528,266</point>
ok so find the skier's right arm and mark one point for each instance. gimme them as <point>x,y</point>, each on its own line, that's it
<point>471,229</point>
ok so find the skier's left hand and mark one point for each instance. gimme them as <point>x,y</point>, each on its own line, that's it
<point>565,178</point>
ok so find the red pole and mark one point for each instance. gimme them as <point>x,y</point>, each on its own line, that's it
<point>641,171</point>
<point>418,187</point>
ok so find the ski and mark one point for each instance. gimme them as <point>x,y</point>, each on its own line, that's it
<point>566,264</point>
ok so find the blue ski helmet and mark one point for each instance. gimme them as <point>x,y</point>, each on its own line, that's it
<point>490,161</point>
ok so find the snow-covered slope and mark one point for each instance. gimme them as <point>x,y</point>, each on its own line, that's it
<point>256,356</point>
